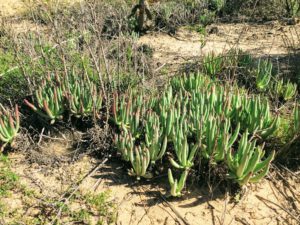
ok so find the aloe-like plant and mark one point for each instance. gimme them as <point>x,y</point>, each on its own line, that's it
<point>289,90</point>
<point>177,186</point>
<point>165,109</point>
<point>218,139</point>
<point>140,161</point>
<point>278,87</point>
<point>263,74</point>
<point>82,96</point>
<point>191,82</point>
<point>255,115</point>
<point>121,110</point>
<point>185,153</point>
<point>155,139</point>
<point>9,126</point>
<point>50,101</point>
<point>124,144</point>
<point>285,90</point>
<point>198,113</point>
<point>127,113</point>
<point>212,64</point>
<point>246,165</point>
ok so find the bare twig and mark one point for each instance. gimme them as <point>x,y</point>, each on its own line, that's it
<point>174,210</point>
<point>75,188</point>
<point>279,206</point>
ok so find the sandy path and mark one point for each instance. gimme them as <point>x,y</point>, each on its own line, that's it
<point>11,7</point>
<point>267,39</point>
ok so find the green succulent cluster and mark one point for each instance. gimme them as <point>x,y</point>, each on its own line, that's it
<point>127,112</point>
<point>185,152</point>
<point>285,90</point>
<point>245,165</point>
<point>263,74</point>
<point>218,139</point>
<point>177,186</point>
<point>125,144</point>
<point>82,95</point>
<point>155,138</point>
<point>212,64</point>
<point>190,82</point>
<point>252,112</point>
<point>194,118</point>
<point>140,160</point>
<point>49,98</point>
<point>73,93</point>
<point>9,126</point>
<point>255,115</point>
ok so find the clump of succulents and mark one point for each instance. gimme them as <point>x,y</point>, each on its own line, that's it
<point>185,155</point>
<point>246,164</point>
<point>263,74</point>
<point>155,139</point>
<point>213,64</point>
<point>140,161</point>
<point>82,96</point>
<point>177,186</point>
<point>198,118</point>
<point>128,112</point>
<point>124,144</point>
<point>218,139</point>
<point>255,115</point>
<point>49,99</point>
<point>72,93</point>
<point>9,126</point>
<point>285,90</point>
<point>191,82</point>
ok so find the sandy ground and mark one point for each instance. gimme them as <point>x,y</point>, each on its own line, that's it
<point>270,39</point>
<point>11,7</point>
<point>143,203</point>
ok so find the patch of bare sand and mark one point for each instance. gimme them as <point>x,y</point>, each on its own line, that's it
<point>270,39</point>
<point>141,203</point>
<point>11,7</point>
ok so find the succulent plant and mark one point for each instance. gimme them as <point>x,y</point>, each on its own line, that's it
<point>256,117</point>
<point>9,125</point>
<point>218,139</point>
<point>82,96</point>
<point>278,87</point>
<point>165,110</point>
<point>127,115</point>
<point>191,82</point>
<point>177,186</point>
<point>289,90</point>
<point>140,160</point>
<point>245,165</point>
<point>124,144</point>
<point>121,110</point>
<point>263,74</point>
<point>198,113</point>
<point>50,101</point>
<point>155,139</point>
<point>212,64</point>
<point>184,152</point>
